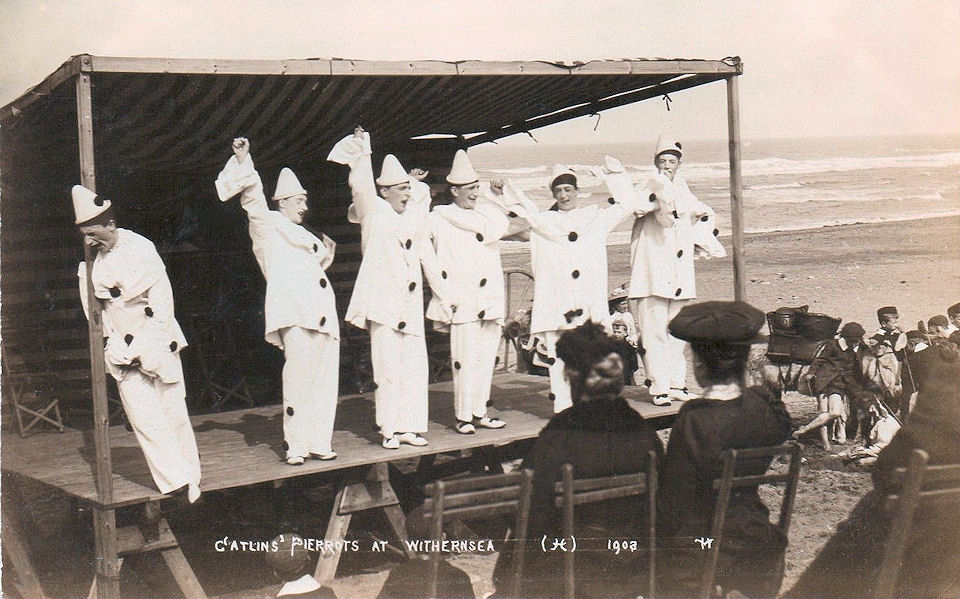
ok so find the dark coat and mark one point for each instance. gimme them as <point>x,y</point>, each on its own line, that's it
<point>599,438</point>
<point>846,566</point>
<point>835,370</point>
<point>752,551</point>
<point>411,580</point>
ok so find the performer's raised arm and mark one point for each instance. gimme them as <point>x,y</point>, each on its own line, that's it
<point>626,200</point>
<point>240,176</point>
<point>354,151</point>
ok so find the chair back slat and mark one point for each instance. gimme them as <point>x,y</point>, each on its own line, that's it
<point>572,492</point>
<point>920,485</point>
<point>474,497</point>
<point>730,460</point>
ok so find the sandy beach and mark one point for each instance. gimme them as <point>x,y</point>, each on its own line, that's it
<point>845,271</point>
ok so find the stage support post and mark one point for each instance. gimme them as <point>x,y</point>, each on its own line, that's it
<point>736,188</point>
<point>104,520</point>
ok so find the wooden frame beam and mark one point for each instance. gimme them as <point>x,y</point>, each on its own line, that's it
<point>45,87</point>
<point>736,189</point>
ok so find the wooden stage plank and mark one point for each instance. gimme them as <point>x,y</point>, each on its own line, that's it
<point>243,447</point>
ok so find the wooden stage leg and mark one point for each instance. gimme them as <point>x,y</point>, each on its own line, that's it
<point>183,573</point>
<point>16,549</point>
<point>336,531</point>
<point>372,492</point>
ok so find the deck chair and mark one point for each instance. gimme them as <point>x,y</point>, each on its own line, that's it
<point>32,395</point>
<point>728,481</point>
<point>474,497</point>
<point>920,485</point>
<point>572,492</point>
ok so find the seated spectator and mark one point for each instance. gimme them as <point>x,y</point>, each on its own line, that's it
<point>939,326</point>
<point>411,580</point>
<point>847,565</point>
<point>834,374</point>
<point>953,313</point>
<point>600,435</point>
<point>290,563</point>
<point>726,416</point>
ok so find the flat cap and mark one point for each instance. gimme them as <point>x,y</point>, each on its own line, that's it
<point>725,322</point>
<point>892,310</point>
<point>953,310</point>
<point>852,329</point>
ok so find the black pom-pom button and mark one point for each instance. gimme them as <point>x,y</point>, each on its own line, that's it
<point>572,236</point>
<point>289,411</point>
<point>704,218</point>
<point>578,312</point>
<point>483,282</point>
<point>481,314</point>
<point>323,283</point>
<point>315,248</point>
<point>648,382</point>
<point>323,320</point>
<point>716,232</point>
<point>679,147</point>
<point>128,338</point>
<point>412,285</point>
<point>456,365</point>
<point>114,292</point>
<point>148,311</point>
<point>408,244</point>
<point>98,201</point>
<point>675,215</point>
<point>401,325</point>
<point>611,201</point>
<point>575,274</point>
<point>512,214</point>
<point>552,397</point>
<point>480,237</point>
<point>173,346</point>
<point>551,361</point>
<point>443,274</point>
<point>678,292</point>
<point>652,197</point>
<point>679,253</point>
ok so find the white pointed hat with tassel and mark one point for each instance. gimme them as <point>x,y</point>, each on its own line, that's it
<point>392,172</point>
<point>462,171</point>
<point>86,205</point>
<point>668,143</point>
<point>288,185</point>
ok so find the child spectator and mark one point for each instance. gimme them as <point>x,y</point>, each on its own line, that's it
<point>626,348</point>
<point>890,334</point>
<point>939,326</point>
<point>620,305</point>
<point>953,313</point>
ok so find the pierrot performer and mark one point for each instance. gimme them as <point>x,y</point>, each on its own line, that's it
<point>662,281</point>
<point>466,234</point>
<point>299,309</point>
<point>387,297</point>
<point>142,341</point>
<point>568,253</point>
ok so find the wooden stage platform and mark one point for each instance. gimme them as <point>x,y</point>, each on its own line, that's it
<point>243,447</point>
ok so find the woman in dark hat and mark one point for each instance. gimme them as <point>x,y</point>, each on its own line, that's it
<point>847,565</point>
<point>726,416</point>
<point>600,435</point>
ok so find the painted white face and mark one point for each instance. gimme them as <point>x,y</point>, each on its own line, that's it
<point>465,196</point>
<point>397,196</point>
<point>100,238</point>
<point>566,196</point>
<point>668,164</point>
<point>293,208</point>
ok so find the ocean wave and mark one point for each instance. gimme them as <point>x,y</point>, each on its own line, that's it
<point>843,197</point>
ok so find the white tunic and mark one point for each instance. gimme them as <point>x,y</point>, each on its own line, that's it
<point>138,316</point>
<point>568,252</point>
<point>291,258</point>
<point>662,243</point>
<point>467,243</point>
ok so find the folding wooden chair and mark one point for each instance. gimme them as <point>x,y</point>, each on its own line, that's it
<point>920,485</point>
<point>475,497</point>
<point>25,389</point>
<point>731,458</point>
<point>572,492</point>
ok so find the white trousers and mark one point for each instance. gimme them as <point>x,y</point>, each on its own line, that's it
<point>157,412</point>
<point>473,353</point>
<point>559,386</point>
<point>664,363</point>
<point>311,384</point>
<point>401,372</point>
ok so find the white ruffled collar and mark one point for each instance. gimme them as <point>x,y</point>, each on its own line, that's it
<point>304,584</point>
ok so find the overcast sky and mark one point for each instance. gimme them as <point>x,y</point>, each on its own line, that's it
<point>811,68</point>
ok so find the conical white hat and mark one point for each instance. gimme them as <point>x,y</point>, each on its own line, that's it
<point>392,172</point>
<point>461,172</point>
<point>559,170</point>
<point>288,185</point>
<point>668,143</point>
<point>86,205</point>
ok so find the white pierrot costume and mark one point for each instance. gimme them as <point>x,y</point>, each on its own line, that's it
<point>299,308</point>
<point>388,294</point>
<point>664,243</point>
<point>142,348</point>
<point>568,252</point>
<point>467,242</point>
